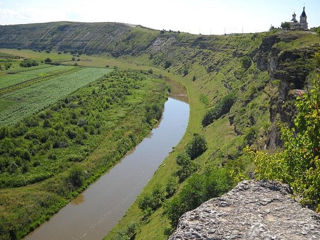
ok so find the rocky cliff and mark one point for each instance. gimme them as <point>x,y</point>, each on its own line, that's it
<point>253,210</point>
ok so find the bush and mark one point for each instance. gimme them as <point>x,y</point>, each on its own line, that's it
<point>28,63</point>
<point>187,167</point>
<point>185,171</point>
<point>7,65</point>
<point>171,187</point>
<point>48,60</point>
<point>199,188</point>
<point>317,58</point>
<point>4,132</point>
<point>246,62</point>
<point>285,25</point>
<point>151,202</point>
<point>167,64</point>
<point>128,233</point>
<point>197,146</point>
<point>75,176</point>
<point>221,108</point>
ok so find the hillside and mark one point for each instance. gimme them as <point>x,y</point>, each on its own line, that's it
<point>243,83</point>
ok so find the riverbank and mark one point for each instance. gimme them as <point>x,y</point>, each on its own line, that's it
<point>24,208</point>
<point>98,209</point>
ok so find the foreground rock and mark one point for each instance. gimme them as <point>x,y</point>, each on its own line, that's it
<point>253,210</point>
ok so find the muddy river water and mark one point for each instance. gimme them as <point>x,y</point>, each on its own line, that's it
<point>98,209</point>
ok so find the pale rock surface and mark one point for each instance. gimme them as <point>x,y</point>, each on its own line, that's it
<point>252,210</point>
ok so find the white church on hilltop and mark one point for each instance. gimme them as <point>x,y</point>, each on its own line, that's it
<point>302,25</point>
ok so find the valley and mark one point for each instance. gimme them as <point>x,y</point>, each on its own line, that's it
<point>259,73</point>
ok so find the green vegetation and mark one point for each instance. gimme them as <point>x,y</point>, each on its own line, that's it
<point>210,68</point>
<point>218,66</point>
<point>28,63</point>
<point>14,78</point>
<point>199,188</point>
<point>285,25</point>
<point>221,108</point>
<point>39,95</point>
<point>55,153</point>
<point>298,164</point>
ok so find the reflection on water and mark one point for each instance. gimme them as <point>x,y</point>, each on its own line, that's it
<point>98,209</point>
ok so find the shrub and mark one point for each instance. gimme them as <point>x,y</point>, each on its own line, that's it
<point>221,108</point>
<point>75,158</point>
<point>185,171</point>
<point>317,58</point>
<point>197,146</point>
<point>151,202</point>
<point>187,167</point>
<point>48,60</point>
<point>28,63</point>
<point>167,64</point>
<point>246,62</point>
<point>171,187</point>
<point>75,176</point>
<point>199,188</point>
<point>127,234</point>
<point>4,132</point>
<point>285,25</point>
<point>7,65</point>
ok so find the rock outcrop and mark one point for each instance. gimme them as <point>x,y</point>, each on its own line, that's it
<point>253,210</point>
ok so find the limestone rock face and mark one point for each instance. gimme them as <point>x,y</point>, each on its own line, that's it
<point>253,210</point>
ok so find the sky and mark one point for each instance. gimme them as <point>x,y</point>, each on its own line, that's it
<point>194,16</point>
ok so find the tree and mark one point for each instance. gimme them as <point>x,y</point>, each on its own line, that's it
<point>167,64</point>
<point>197,146</point>
<point>285,25</point>
<point>48,60</point>
<point>187,167</point>
<point>76,176</point>
<point>28,63</point>
<point>222,107</point>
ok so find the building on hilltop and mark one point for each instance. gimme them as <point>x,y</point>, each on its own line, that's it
<point>303,20</point>
<point>302,25</point>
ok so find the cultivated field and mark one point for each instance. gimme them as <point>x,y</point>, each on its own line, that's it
<point>31,74</point>
<point>18,104</point>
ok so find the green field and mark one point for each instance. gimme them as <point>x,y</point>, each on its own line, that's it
<point>23,102</point>
<point>30,74</point>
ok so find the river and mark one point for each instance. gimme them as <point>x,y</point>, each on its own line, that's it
<point>98,209</point>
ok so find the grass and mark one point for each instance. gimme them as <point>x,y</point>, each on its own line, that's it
<point>24,102</point>
<point>22,76</point>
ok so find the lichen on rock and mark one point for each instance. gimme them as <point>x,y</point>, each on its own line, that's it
<point>252,210</point>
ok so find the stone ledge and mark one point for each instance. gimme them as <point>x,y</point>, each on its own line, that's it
<point>252,210</point>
